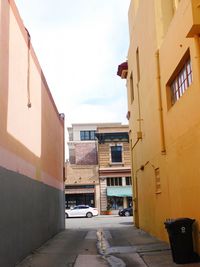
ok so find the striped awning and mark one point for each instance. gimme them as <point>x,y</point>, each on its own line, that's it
<point>119,191</point>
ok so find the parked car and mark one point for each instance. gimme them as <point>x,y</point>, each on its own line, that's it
<point>126,212</point>
<point>81,211</point>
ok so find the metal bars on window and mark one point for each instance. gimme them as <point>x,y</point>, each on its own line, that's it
<point>181,82</point>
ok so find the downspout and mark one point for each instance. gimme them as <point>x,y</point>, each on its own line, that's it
<point>139,132</point>
<point>135,200</point>
<point>28,70</point>
<point>139,137</point>
<point>160,107</point>
<point>62,119</point>
<point>197,49</point>
<point>135,187</point>
<point>97,192</point>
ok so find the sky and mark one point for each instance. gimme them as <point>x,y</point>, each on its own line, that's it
<point>79,44</point>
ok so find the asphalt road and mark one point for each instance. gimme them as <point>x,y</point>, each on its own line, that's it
<point>100,221</point>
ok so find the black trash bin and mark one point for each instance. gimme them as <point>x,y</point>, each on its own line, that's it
<point>181,240</point>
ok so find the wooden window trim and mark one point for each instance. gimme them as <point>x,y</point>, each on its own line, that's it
<point>180,80</point>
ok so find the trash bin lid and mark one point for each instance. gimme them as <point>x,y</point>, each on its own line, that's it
<point>179,221</point>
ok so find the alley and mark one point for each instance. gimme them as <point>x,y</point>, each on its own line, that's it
<point>102,241</point>
<point>64,250</point>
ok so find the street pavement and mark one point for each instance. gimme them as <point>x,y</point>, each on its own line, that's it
<point>99,242</point>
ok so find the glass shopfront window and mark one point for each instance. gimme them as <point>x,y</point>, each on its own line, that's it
<point>72,200</point>
<point>115,202</point>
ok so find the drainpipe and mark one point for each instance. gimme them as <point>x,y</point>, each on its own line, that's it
<point>135,200</point>
<point>28,70</point>
<point>197,50</point>
<point>139,132</point>
<point>160,108</point>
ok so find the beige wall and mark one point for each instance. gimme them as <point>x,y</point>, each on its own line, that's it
<point>106,167</point>
<point>30,137</point>
<point>178,135</point>
<point>83,175</point>
<point>104,154</point>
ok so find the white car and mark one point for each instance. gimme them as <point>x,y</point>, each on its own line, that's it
<point>81,211</point>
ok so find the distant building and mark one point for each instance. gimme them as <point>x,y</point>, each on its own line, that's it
<point>163,85</point>
<point>114,167</point>
<point>84,178</point>
<point>31,146</point>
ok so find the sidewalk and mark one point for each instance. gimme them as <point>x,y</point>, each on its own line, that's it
<point>144,250</point>
<point>120,247</point>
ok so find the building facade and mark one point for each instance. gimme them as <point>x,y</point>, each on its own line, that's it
<point>31,146</point>
<point>163,81</point>
<point>114,167</point>
<point>91,178</point>
<point>82,180</point>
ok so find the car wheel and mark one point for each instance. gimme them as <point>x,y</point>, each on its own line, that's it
<point>89,215</point>
<point>66,215</point>
<point>127,213</point>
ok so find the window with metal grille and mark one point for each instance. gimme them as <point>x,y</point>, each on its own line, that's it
<point>181,82</point>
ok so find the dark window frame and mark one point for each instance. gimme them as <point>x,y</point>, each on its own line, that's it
<point>128,180</point>
<point>116,154</point>
<point>114,181</point>
<point>180,80</point>
<point>87,135</point>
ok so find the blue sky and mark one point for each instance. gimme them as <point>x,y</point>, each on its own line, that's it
<point>79,45</point>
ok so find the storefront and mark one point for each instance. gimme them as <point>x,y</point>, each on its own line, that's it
<point>79,195</point>
<point>119,197</point>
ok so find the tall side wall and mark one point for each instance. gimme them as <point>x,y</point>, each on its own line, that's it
<point>166,184</point>
<point>31,146</point>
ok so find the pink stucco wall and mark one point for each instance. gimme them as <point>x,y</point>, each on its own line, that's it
<point>31,130</point>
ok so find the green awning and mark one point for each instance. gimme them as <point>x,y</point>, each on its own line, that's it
<point>119,191</point>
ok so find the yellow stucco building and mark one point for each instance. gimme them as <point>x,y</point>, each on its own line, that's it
<point>163,85</point>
